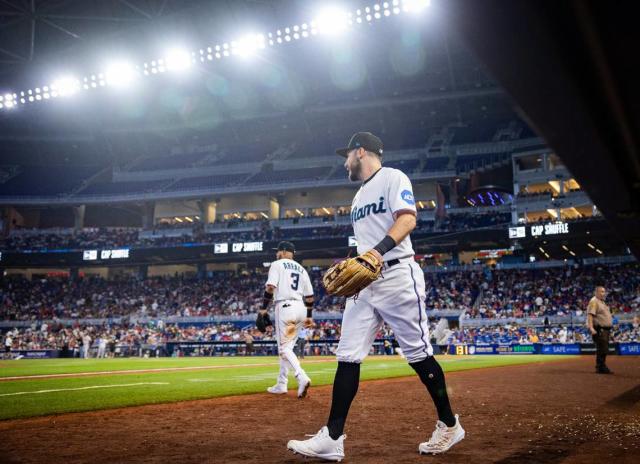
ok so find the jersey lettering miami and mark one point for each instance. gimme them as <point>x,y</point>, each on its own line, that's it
<point>377,205</point>
<point>290,279</point>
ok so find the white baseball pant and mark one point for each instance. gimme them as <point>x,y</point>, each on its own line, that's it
<point>397,298</point>
<point>290,315</point>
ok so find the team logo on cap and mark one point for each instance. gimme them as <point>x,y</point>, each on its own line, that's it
<point>407,196</point>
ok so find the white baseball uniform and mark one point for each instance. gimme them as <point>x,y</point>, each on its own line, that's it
<point>398,297</point>
<point>292,284</point>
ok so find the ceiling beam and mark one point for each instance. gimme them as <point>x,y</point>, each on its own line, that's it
<point>12,54</point>
<point>13,5</point>
<point>137,9</point>
<point>60,28</point>
<point>92,18</point>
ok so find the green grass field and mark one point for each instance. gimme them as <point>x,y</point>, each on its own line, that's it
<point>196,378</point>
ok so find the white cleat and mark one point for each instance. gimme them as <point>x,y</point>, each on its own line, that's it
<point>278,389</point>
<point>304,382</point>
<point>443,438</point>
<point>320,446</point>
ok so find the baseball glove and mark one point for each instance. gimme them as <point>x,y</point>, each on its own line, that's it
<point>349,277</point>
<point>263,321</point>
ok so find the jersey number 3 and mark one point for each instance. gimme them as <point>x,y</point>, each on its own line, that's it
<point>295,278</point>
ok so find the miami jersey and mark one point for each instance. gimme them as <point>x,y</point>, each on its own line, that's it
<point>377,205</point>
<point>290,279</point>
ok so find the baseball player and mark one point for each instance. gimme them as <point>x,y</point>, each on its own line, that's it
<point>289,284</point>
<point>383,213</point>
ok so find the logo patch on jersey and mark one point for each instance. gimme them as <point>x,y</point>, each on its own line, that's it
<point>366,210</point>
<point>407,196</point>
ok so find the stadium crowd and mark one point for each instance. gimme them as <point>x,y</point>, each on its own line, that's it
<point>104,341</point>
<point>221,294</point>
<point>76,339</point>
<point>196,233</point>
<point>511,333</point>
<point>555,291</point>
<point>488,294</point>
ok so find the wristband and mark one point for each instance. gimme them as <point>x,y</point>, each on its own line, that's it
<point>309,305</point>
<point>266,299</point>
<point>386,244</point>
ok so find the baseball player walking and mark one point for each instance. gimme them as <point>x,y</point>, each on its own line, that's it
<point>383,213</point>
<point>289,284</point>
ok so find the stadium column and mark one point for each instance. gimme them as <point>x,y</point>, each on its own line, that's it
<point>516,189</point>
<point>78,217</point>
<point>143,271</point>
<point>208,210</point>
<point>6,221</point>
<point>74,274</point>
<point>148,215</point>
<point>274,208</point>
<point>453,192</point>
<point>202,271</point>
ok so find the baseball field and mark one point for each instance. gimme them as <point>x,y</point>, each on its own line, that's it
<point>40,387</point>
<point>514,408</point>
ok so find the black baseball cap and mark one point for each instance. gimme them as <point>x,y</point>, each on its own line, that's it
<point>365,140</point>
<point>286,246</point>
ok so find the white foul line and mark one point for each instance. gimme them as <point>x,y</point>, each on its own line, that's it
<point>84,388</point>
<point>152,370</point>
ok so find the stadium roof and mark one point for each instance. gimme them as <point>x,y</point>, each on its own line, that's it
<point>403,67</point>
<point>37,34</point>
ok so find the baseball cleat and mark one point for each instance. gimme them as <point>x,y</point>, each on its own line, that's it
<point>443,438</point>
<point>320,446</point>
<point>278,389</point>
<point>304,382</point>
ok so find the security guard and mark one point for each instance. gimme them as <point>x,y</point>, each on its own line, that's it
<point>599,323</point>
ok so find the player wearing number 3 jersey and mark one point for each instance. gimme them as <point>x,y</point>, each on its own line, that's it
<point>383,213</point>
<point>289,285</point>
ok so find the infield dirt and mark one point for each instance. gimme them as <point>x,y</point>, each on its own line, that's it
<point>558,412</point>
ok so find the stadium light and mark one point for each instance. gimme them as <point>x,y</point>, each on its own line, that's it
<point>120,74</point>
<point>415,6</point>
<point>247,45</point>
<point>7,101</point>
<point>65,86</point>
<point>177,60</point>
<point>330,21</point>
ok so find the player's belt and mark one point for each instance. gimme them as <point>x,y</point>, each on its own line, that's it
<point>393,262</point>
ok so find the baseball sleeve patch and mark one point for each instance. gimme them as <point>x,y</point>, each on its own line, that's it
<point>407,197</point>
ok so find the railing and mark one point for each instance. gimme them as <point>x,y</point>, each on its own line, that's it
<point>248,318</point>
<point>158,233</point>
<point>189,193</point>
<point>569,320</point>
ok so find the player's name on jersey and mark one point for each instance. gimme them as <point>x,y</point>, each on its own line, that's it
<point>292,266</point>
<point>240,247</point>
<point>366,210</point>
